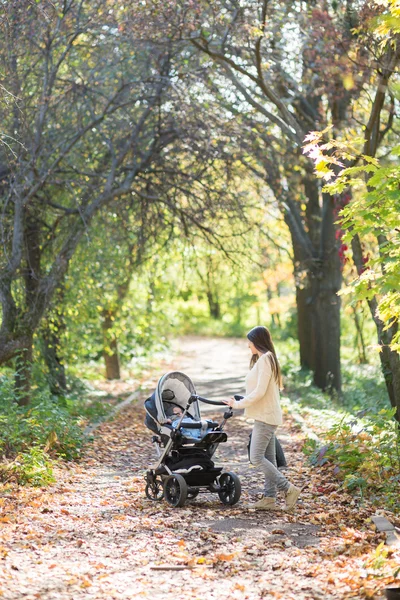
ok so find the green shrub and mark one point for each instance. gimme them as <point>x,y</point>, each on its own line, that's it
<point>45,424</point>
<point>365,452</point>
<point>53,427</point>
<point>33,467</point>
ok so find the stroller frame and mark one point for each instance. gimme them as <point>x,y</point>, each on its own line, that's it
<point>161,479</point>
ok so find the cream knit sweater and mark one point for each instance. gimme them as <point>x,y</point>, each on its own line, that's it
<point>262,400</point>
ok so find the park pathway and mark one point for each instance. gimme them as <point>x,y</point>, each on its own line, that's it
<point>94,535</point>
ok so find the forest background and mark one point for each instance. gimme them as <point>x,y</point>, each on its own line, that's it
<point>171,168</point>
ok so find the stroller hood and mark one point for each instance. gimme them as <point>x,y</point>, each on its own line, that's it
<point>173,388</point>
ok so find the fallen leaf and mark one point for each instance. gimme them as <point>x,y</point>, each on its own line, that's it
<point>225,557</point>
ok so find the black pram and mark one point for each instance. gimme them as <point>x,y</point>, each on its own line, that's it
<point>185,466</point>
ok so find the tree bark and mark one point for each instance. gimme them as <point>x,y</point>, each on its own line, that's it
<point>305,327</point>
<point>275,318</point>
<point>238,303</point>
<point>390,360</point>
<point>390,364</point>
<point>210,287</point>
<point>213,305</point>
<point>51,336</point>
<point>110,347</point>
<point>326,335</point>
<point>318,277</point>
<point>313,209</point>
<point>303,286</point>
<point>23,374</point>
<point>51,353</point>
<point>362,353</point>
<point>327,281</point>
<point>31,274</point>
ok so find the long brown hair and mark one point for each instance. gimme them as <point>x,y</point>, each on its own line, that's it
<point>261,338</point>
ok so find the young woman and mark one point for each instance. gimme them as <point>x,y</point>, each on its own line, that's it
<point>262,403</point>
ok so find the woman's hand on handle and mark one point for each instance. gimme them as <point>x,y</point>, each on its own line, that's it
<point>229,402</point>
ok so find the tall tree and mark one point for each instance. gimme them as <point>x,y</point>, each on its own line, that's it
<point>282,69</point>
<point>375,210</point>
<point>88,117</point>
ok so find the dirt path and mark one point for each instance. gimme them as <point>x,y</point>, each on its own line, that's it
<point>216,366</point>
<point>94,535</point>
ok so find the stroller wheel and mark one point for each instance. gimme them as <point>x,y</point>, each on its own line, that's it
<point>154,491</point>
<point>175,490</point>
<point>231,488</point>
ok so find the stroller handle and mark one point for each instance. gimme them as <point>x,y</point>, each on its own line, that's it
<point>206,401</point>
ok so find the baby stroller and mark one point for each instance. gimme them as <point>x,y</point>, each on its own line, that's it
<point>184,467</point>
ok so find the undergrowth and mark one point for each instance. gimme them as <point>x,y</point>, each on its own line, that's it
<point>34,437</point>
<point>357,432</point>
<point>365,453</point>
<point>51,428</point>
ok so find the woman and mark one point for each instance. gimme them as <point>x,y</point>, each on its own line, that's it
<point>262,403</point>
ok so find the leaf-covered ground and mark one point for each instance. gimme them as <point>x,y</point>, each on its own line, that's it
<point>95,535</point>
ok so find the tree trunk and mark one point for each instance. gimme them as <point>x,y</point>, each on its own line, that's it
<point>362,352</point>
<point>390,360</point>
<point>23,374</point>
<point>373,136</point>
<point>214,306</point>
<point>304,311</point>
<point>238,303</point>
<point>31,274</point>
<point>318,277</point>
<point>313,209</point>
<point>51,354</point>
<point>390,363</point>
<point>327,281</point>
<point>305,327</point>
<point>110,351</point>
<point>51,332</point>
<point>326,335</point>
<point>274,317</point>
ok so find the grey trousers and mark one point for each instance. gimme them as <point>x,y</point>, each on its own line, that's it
<point>263,457</point>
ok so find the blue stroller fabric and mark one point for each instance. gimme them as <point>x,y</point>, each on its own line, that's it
<point>192,433</point>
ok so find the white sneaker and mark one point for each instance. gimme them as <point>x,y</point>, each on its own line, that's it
<point>266,503</point>
<point>292,496</point>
